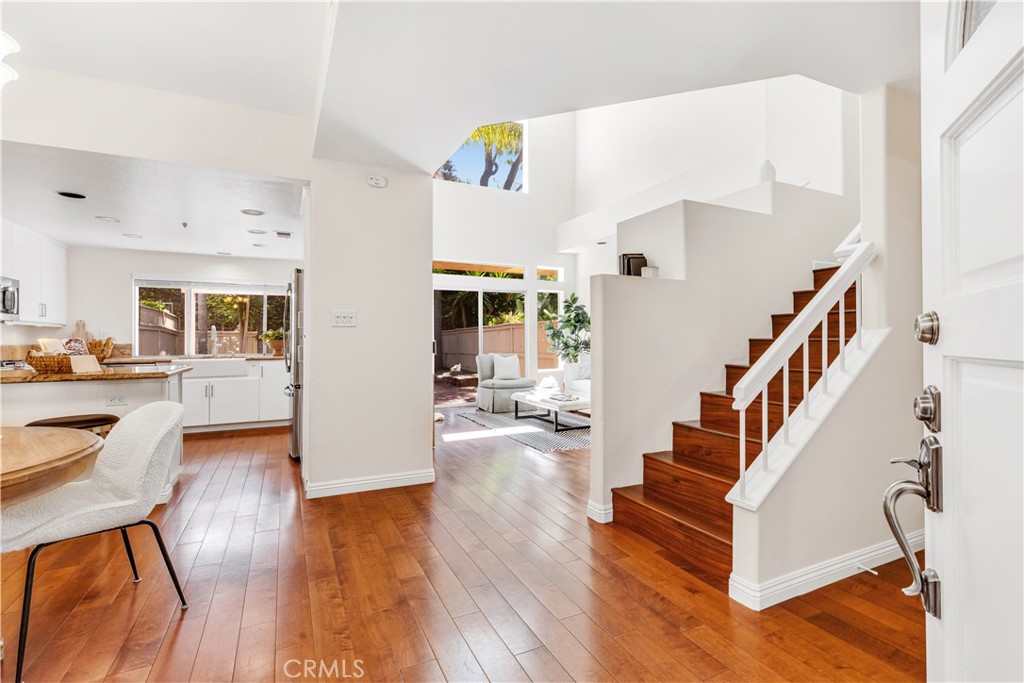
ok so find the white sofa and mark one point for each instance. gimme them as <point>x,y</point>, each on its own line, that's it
<point>577,377</point>
<point>495,395</point>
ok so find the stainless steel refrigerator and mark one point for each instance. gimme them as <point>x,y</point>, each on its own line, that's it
<point>293,358</point>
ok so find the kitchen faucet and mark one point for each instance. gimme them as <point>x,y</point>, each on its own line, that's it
<point>213,339</point>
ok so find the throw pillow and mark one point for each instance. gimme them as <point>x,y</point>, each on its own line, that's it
<point>584,365</point>
<point>506,367</point>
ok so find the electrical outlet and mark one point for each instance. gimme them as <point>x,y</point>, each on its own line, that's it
<point>344,318</point>
<point>117,401</point>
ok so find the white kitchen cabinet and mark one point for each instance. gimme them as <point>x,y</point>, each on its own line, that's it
<point>274,378</point>
<point>221,400</point>
<point>195,396</point>
<point>53,290</point>
<point>41,267</point>
<point>234,399</point>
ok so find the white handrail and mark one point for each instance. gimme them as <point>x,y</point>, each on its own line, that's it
<point>849,243</point>
<point>796,333</point>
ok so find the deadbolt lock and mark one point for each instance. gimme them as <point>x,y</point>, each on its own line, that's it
<point>927,408</point>
<point>926,328</point>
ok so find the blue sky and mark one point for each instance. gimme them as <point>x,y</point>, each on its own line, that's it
<point>469,164</point>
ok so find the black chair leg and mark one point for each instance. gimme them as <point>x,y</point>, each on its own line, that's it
<point>167,560</point>
<point>131,555</point>
<point>26,604</point>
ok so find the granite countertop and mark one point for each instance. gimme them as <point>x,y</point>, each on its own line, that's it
<point>139,360</point>
<point>119,374</point>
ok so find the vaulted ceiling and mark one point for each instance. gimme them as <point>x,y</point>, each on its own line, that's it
<point>402,84</point>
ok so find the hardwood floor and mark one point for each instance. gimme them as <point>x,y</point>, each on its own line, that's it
<point>494,572</point>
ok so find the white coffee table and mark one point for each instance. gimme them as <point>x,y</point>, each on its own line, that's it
<point>552,408</point>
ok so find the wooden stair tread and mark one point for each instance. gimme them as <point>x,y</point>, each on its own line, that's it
<point>675,513</point>
<point>695,424</point>
<point>771,339</point>
<point>684,464</point>
<point>792,370</point>
<point>722,394</point>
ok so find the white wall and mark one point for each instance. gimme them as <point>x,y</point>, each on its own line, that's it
<point>810,519</point>
<point>476,224</point>
<point>357,242</point>
<point>625,148</point>
<point>635,158</point>
<point>740,267</point>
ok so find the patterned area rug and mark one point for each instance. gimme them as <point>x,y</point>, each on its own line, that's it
<point>536,434</point>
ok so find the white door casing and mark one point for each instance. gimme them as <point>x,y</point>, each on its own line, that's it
<point>972,156</point>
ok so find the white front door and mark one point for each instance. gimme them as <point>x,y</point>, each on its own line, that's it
<point>973,255</point>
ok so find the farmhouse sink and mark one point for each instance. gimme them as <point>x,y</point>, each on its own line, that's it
<point>217,367</point>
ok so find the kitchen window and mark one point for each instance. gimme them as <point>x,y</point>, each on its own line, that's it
<point>206,318</point>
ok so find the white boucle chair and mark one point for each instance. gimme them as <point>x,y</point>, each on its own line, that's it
<point>125,485</point>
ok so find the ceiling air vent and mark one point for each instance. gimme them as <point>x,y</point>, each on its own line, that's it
<point>283,234</point>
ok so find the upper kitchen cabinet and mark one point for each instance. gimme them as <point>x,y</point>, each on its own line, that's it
<point>41,266</point>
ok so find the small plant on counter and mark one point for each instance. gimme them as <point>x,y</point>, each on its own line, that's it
<point>272,335</point>
<point>275,340</point>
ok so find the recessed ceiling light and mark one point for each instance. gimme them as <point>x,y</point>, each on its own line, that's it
<point>257,232</point>
<point>223,253</point>
<point>257,244</point>
<point>108,219</point>
<point>253,212</point>
<point>71,195</point>
<point>132,235</point>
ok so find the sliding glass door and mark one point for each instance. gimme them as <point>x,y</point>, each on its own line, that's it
<point>456,345</point>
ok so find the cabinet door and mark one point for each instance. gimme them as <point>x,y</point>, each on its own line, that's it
<point>25,255</point>
<point>274,405</point>
<point>53,286</point>
<point>195,398</point>
<point>234,399</point>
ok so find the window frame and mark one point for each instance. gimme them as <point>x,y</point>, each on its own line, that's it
<point>202,286</point>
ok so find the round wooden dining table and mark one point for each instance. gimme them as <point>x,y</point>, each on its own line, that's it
<point>34,460</point>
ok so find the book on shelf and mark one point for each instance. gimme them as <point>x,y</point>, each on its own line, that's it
<point>631,264</point>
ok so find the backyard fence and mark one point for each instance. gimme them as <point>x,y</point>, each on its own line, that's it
<point>462,345</point>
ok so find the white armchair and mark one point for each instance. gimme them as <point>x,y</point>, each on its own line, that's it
<point>493,394</point>
<point>124,488</point>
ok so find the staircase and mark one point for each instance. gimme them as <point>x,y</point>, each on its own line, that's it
<point>681,503</point>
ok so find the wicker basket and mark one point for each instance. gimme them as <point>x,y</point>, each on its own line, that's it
<point>50,364</point>
<point>54,365</point>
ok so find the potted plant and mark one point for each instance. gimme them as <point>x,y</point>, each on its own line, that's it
<point>275,340</point>
<point>569,333</point>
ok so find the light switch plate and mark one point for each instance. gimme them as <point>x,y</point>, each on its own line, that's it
<point>344,318</point>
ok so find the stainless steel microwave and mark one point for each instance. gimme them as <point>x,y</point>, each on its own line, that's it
<point>9,299</point>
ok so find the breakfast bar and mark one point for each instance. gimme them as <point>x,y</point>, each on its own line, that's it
<point>28,396</point>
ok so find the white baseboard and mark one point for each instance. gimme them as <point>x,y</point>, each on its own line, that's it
<point>599,513</point>
<point>356,484</point>
<point>165,494</point>
<point>200,429</point>
<point>762,596</point>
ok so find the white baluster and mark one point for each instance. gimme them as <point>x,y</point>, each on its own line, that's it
<point>785,403</point>
<point>860,305</point>
<point>764,428</point>
<point>807,377</point>
<point>824,355</point>
<point>842,332</point>
<point>743,453</point>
